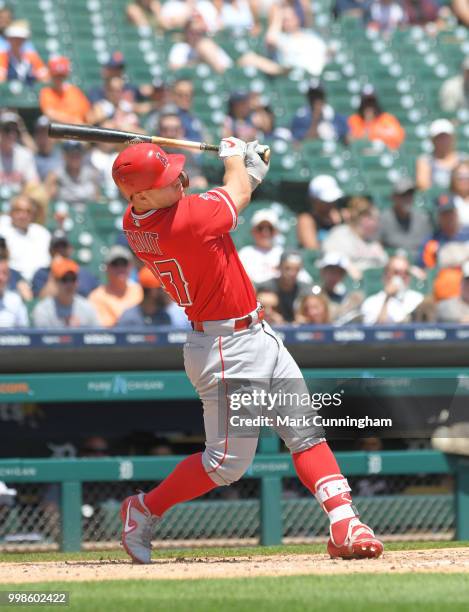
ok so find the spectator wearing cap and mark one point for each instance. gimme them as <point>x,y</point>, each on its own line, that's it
<point>270,301</point>
<point>461,10</point>
<point>313,309</point>
<point>344,305</point>
<point>357,239</point>
<point>435,170</point>
<point>454,93</point>
<point>47,156</point>
<point>448,230</point>
<point>152,309</point>
<point>238,121</point>
<point>288,287</point>
<point>323,213</point>
<point>119,293</point>
<point>396,302</point>
<point>62,101</point>
<point>158,99</point>
<point>17,167</point>
<point>170,126</point>
<point>66,308</point>
<point>13,312</point>
<point>43,283</point>
<point>19,62</point>
<point>456,309</point>
<point>261,259</point>
<point>317,119</point>
<point>15,281</point>
<point>459,188</point>
<point>6,19</point>
<point>182,95</point>
<point>28,242</point>
<point>403,226</point>
<point>292,45</point>
<point>371,123</point>
<point>114,67</point>
<point>76,181</point>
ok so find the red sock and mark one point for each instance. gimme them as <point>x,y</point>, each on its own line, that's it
<point>187,481</point>
<point>318,470</point>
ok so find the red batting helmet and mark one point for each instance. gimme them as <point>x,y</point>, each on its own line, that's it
<point>145,166</point>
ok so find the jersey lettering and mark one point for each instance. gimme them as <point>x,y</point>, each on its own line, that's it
<point>170,273</point>
<point>143,242</point>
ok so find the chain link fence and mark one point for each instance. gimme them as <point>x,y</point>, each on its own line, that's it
<point>227,513</point>
<point>32,518</point>
<point>403,507</point>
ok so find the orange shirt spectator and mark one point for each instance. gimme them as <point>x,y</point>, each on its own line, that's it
<point>62,101</point>
<point>119,293</point>
<point>447,284</point>
<point>18,62</point>
<point>371,123</point>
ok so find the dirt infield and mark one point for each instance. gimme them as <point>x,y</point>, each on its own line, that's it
<point>447,560</point>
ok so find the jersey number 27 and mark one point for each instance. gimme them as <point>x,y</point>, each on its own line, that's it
<point>170,273</point>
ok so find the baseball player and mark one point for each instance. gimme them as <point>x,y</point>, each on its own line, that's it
<point>185,240</point>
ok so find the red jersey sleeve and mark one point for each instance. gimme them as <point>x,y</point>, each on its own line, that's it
<point>212,213</point>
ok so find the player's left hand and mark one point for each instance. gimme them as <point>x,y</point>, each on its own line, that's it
<point>232,146</point>
<point>255,165</point>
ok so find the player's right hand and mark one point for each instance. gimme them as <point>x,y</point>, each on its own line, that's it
<point>255,166</point>
<point>232,146</point>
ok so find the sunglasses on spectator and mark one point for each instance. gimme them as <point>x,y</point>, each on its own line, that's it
<point>263,227</point>
<point>68,278</point>
<point>28,210</point>
<point>120,262</point>
<point>404,273</point>
<point>9,129</point>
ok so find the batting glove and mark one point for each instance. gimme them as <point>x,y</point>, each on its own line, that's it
<point>255,166</point>
<point>232,146</point>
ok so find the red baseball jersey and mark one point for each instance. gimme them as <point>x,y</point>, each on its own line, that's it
<point>188,247</point>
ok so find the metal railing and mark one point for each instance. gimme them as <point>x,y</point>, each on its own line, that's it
<point>267,516</point>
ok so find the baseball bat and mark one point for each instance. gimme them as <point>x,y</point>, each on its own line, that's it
<point>89,133</point>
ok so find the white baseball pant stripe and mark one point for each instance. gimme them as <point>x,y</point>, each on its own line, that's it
<point>215,356</point>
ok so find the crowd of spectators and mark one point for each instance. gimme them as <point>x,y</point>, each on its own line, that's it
<point>417,257</point>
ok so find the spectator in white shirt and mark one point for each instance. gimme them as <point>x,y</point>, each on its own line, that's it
<point>261,260</point>
<point>294,46</point>
<point>356,239</point>
<point>460,190</point>
<point>27,242</point>
<point>13,312</point>
<point>396,302</point>
<point>17,166</point>
<point>454,93</point>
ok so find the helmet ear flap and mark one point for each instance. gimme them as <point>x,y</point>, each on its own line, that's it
<point>184,178</point>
